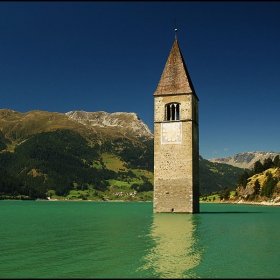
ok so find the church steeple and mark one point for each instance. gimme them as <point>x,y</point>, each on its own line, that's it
<point>176,139</point>
<point>175,78</point>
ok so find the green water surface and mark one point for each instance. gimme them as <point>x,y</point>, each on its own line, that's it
<point>82,239</point>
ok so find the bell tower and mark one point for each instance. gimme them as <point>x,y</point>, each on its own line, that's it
<point>176,148</point>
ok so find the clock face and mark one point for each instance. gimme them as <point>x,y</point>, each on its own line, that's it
<point>171,132</point>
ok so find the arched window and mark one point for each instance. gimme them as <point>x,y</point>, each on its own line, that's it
<point>172,112</point>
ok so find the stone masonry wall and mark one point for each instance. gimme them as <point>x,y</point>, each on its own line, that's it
<point>176,165</point>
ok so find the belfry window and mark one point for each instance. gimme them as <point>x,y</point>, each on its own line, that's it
<point>172,112</point>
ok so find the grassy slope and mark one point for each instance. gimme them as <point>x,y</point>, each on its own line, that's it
<point>17,126</point>
<point>116,186</point>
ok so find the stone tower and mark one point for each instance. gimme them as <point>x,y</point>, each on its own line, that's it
<point>176,148</point>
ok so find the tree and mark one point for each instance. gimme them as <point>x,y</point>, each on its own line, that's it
<point>267,163</point>
<point>225,194</point>
<point>269,185</point>
<point>276,161</point>
<point>242,180</point>
<point>258,167</point>
<point>147,186</point>
<point>257,187</point>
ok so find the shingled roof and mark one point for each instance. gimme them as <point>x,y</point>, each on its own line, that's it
<point>175,78</point>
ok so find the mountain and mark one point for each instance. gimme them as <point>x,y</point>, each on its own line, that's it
<point>95,126</point>
<point>262,186</point>
<point>127,123</point>
<point>74,154</point>
<point>214,177</point>
<point>246,159</point>
<point>89,155</point>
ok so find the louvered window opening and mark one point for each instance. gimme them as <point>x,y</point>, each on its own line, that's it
<point>172,112</point>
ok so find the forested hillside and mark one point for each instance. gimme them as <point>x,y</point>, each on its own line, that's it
<point>261,183</point>
<point>63,160</point>
<point>214,177</point>
<point>49,154</point>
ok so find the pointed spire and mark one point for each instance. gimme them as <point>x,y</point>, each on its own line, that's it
<point>175,20</point>
<point>175,78</point>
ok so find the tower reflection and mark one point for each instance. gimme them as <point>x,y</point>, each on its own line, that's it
<point>174,253</point>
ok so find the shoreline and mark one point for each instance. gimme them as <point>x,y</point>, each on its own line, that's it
<point>263,203</point>
<point>241,201</point>
<point>266,203</point>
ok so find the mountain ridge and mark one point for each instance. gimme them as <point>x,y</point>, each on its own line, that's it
<point>120,142</point>
<point>16,126</point>
<point>245,159</point>
<point>131,121</point>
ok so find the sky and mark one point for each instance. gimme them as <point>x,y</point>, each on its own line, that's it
<point>109,56</point>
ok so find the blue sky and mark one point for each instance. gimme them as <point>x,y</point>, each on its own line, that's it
<point>109,56</point>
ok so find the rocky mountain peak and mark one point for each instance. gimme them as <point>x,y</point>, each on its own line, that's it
<point>127,122</point>
<point>245,159</point>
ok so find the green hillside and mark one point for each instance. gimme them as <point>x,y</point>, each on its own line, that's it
<point>214,177</point>
<point>47,154</point>
<point>262,183</point>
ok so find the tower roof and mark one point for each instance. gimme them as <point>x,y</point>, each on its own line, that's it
<point>175,78</point>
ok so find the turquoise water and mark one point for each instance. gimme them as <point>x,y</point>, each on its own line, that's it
<point>53,239</point>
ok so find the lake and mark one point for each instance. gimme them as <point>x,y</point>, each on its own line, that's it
<point>83,239</point>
